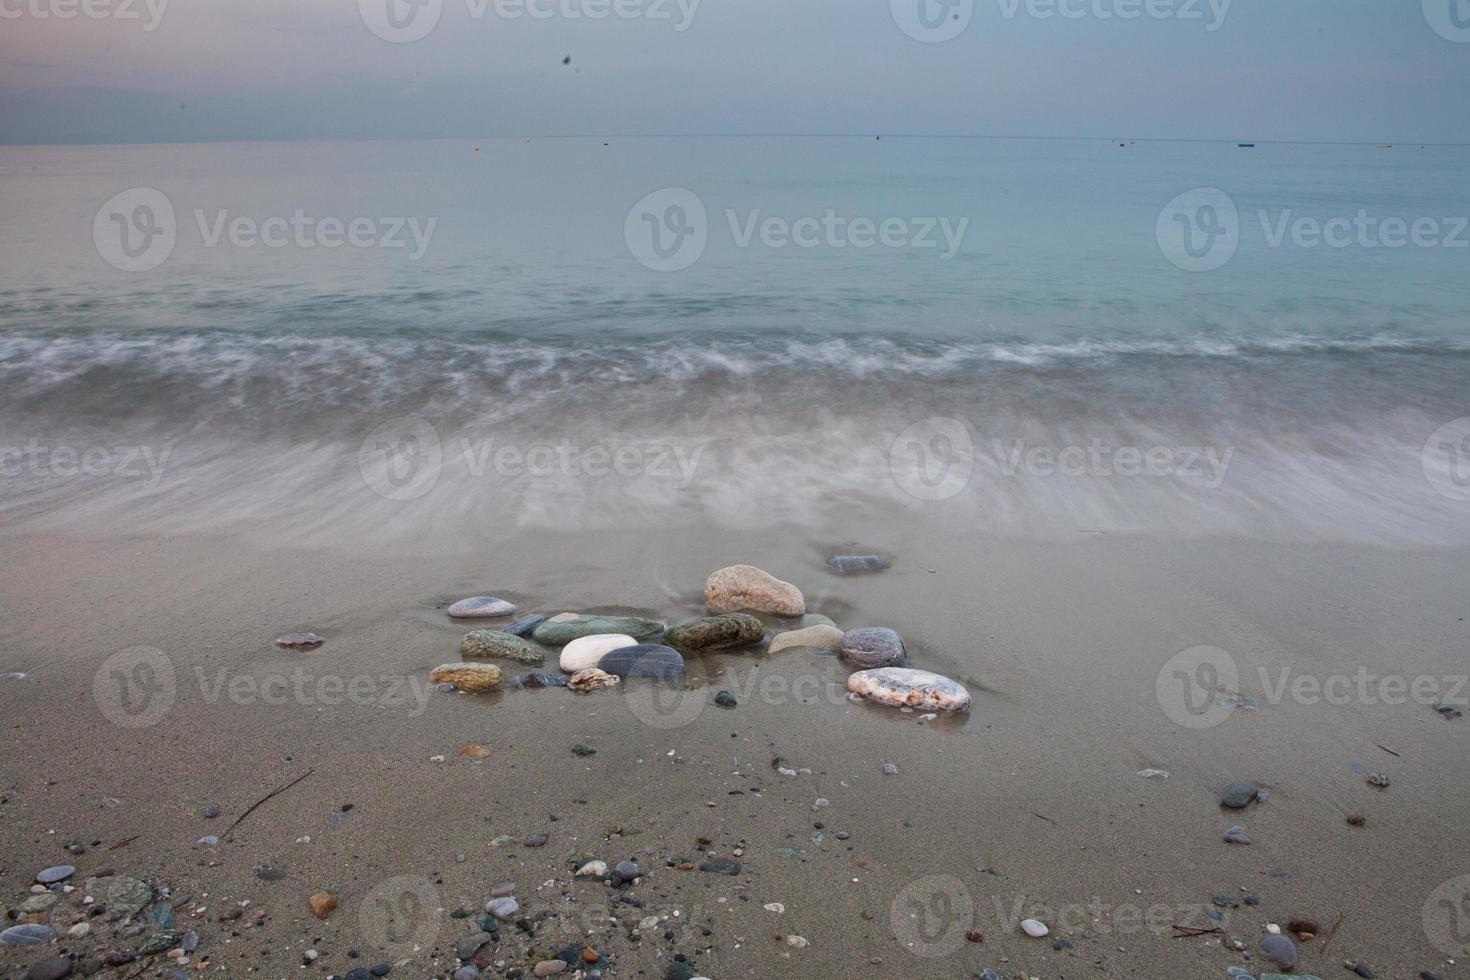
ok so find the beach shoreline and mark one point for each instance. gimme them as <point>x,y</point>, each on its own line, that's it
<point>1030,801</point>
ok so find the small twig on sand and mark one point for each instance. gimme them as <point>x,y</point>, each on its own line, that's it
<point>263,799</point>
<point>1333,931</point>
<point>124,842</point>
<point>1389,751</point>
<point>1189,932</point>
<point>1040,817</point>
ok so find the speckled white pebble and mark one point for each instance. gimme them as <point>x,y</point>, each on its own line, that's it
<point>588,651</point>
<point>1034,928</point>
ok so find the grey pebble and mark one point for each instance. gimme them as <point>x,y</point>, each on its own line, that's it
<point>60,872</point>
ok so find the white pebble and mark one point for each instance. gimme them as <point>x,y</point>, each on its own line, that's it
<point>1034,928</point>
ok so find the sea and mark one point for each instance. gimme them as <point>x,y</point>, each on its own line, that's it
<point>1036,338</point>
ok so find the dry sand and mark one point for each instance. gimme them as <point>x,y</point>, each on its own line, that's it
<point>1030,804</point>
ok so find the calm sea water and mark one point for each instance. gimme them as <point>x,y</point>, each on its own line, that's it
<point>984,331</point>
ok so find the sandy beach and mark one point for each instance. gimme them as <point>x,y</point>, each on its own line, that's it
<point>1028,805</point>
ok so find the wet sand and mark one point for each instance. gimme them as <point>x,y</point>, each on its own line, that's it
<point>1027,805</point>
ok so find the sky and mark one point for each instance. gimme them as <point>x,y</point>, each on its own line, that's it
<point>141,71</point>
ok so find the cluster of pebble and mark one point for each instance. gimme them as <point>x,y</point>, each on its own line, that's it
<point>598,652</point>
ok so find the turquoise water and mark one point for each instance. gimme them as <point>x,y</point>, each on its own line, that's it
<point>834,293</point>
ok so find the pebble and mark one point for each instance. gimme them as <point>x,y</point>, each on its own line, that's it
<point>523,626</point>
<point>644,660</point>
<point>503,908</point>
<point>721,867</point>
<point>593,869</point>
<point>563,628</point>
<point>210,812</point>
<point>813,637</point>
<point>548,968</point>
<point>776,907</point>
<point>467,677</point>
<point>716,633</point>
<point>626,871</point>
<point>1362,970</point>
<point>797,942</point>
<point>120,893</point>
<point>26,935</point>
<point>209,840</point>
<point>905,687</point>
<point>588,651</point>
<point>1153,774</point>
<point>1278,949</point>
<point>725,699</point>
<point>537,840</point>
<point>467,972</point>
<point>481,606</point>
<point>52,969</point>
<point>747,587</point>
<point>1236,835</point>
<point>1238,795</point>
<point>592,679</point>
<point>54,874</point>
<point>322,904</point>
<point>299,641</point>
<point>876,646</point>
<point>539,679</point>
<point>503,889</point>
<point>856,564</point>
<point>583,750</point>
<point>484,644</point>
<point>1034,928</point>
<point>889,769</point>
<point>475,751</point>
<point>14,675</point>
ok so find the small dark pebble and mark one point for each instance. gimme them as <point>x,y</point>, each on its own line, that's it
<point>536,840</point>
<point>856,564</point>
<point>1060,945</point>
<point>381,970</point>
<point>539,679</point>
<point>721,867</point>
<point>210,812</point>
<point>358,973</point>
<point>1252,900</point>
<point>725,699</point>
<point>583,750</point>
<point>523,626</point>
<point>53,969</point>
<point>1362,970</point>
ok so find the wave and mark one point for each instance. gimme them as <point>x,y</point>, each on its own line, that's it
<point>1296,437</point>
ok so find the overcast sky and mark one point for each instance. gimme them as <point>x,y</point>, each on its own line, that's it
<point>183,70</point>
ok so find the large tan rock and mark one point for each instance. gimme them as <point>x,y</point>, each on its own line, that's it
<point>817,637</point>
<point>467,677</point>
<point>747,587</point>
